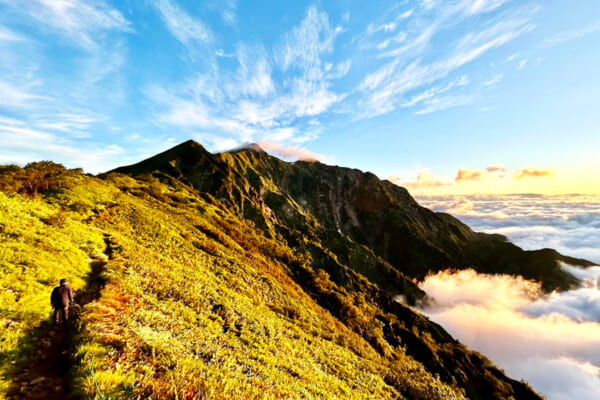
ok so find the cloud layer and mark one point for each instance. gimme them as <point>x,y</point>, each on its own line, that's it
<point>569,224</point>
<point>551,341</point>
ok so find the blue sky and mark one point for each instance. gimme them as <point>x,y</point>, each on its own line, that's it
<point>429,93</point>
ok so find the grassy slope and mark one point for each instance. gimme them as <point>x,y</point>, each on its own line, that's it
<point>41,241</point>
<point>198,302</point>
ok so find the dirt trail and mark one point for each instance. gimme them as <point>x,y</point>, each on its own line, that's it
<point>47,373</point>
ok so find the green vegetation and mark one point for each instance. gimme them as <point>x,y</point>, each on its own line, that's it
<point>206,299</point>
<point>43,239</point>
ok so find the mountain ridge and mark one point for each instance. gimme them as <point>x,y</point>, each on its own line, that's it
<point>358,205</point>
<point>224,285</point>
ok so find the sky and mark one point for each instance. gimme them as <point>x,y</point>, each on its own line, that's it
<point>443,97</point>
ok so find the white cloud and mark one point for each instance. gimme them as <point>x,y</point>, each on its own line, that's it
<point>384,90</point>
<point>229,11</point>
<point>339,71</point>
<point>483,6</point>
<point>48,100</point>
<point>444,103</point>
<point>221,53</point>
<point>14,97</point>
<point>425,180</point>
<point>270,96</point>
<point>71,124</point>
<point>291,152</point>
<point>23,141</point>
<point>303,46</point>
<point>185,28</point>
<point>522,64</point>
<point>78,20</point>
<point>7,35</point>
<point>569,224</point>
<point>567,36</point>
<point>412,66</point>
<point>302,51</point>
<point>493,81</point>
<point>253,77</point>
<point>530,335</point>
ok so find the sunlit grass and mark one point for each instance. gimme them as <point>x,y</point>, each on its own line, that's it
<point>198,302</point>
<point>40,244</point>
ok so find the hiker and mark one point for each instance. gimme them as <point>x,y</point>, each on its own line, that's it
<point>61,296</point>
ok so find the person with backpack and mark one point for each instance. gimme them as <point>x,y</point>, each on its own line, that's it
<point>60,298</point>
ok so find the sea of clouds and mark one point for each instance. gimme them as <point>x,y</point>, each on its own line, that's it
<point>552,341</point>
<point>569,224</point>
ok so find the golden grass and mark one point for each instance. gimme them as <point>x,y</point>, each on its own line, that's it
<point>198,304</point>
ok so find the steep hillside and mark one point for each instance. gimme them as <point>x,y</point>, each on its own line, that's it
<point>200,302</point>
<point>345,208</point>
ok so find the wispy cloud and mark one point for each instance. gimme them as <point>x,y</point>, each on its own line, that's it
<point>578,33</point>
<point>533,173</point>
<point>465,174</point>
<point>425,180</point>
<point>522,64</point>
<point>301,51</point>
<point>391,25</point>
<point>291,152</point>
<point>493,81</point>
<point>188,30</point>
<point>249,104</point>
<point>74,125</point>
<point>7,35</point>
<point>14,97</point>
<point>444,103</point>
<point>79,21</point>
<point>385,89</point>
<point>483,6</point>
<point>46,99</point>
<point>433,99</point>
<point>496,168</point>
<point>21,144</point>
<point>228,10</point>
